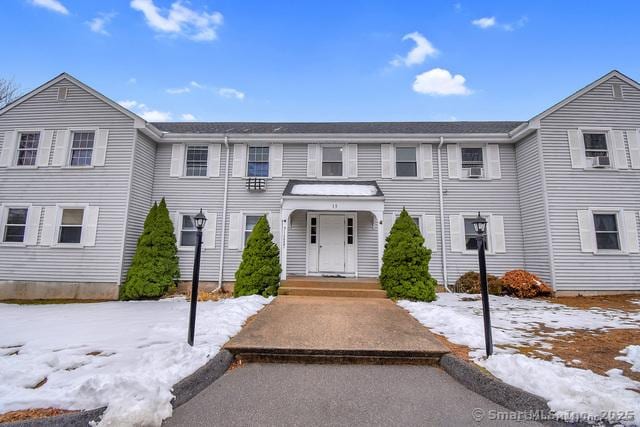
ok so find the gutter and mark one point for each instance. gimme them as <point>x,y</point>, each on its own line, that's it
<point>224,213</point>
<point>442,233</point>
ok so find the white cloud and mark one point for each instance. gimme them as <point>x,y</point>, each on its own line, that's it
<point>99,23</point>
<point>178,90</point>
<point>132,81</point>
<point>128,104</point>
<point>187,117</point>
<point>418,54</point>
<point>484,23</point>
<point>440,82</point>
<point>197,85</point>
<point>179,20</point>
<point>155,116</point>
<point>227,92</point>
<point>53,5</point>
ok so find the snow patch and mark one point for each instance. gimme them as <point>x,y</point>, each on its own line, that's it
<point>334,190</point>
<point>632,356</point>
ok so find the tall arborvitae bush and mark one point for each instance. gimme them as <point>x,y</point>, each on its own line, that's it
<point>405,263</point>
<point>259,271</point>
<point>154,269</point>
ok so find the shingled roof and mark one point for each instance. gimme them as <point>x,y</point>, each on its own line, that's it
<point>338,127</point>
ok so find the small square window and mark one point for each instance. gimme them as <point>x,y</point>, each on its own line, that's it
<point>595,144</point>
<point>258,162</point>
<point>471,157</point>
<point>406,164</point>
<point>197,157</point>
<point>606,228</point>
<point>332,161</point>
<point>250,222</point>
<point>15,226</point>
<point>71,226</point>
<point>82,148</point>
<point>188,231</point>
<point>471,243</point>
<point>28,148</point>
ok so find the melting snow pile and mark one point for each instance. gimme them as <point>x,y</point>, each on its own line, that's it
<point>568,390</point>
<point>124,355</point>
<point>334,190</point>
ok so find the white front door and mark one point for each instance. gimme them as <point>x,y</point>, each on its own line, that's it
<point>331,248</point>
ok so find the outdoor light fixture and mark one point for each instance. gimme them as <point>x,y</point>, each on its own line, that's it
<point>480,225</point>
<point>200,220</point>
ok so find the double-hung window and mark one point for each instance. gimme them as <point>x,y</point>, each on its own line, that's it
<point>28,148</point>
<point>406,164</point>
<point>470,241</point>
<point>607,233</point>
<point>188,231</point>
<point>332,161</point>
<point>258,162</point>
<point>15,225</point>
<point>472,158</point>
<point>197,158</point>
<point>250,221</point>
<point>595,144</point>
<point>71,225</point>
<point>82,148</point>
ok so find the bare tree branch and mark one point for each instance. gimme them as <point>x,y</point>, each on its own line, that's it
<point>8,91</point>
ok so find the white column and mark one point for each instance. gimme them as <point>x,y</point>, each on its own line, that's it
<point>284,238</point>
<point>378,216</point>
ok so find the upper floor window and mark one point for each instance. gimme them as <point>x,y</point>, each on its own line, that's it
<point>82,148</point>
<point>71,225</point>
<point>471,243</point>
<point>258,162</point>
<point>472,161</point>
<point>406,164</point>
<point>28,148</point>
<point>250,222</point>
<point>15,225</point>
<point>197,158</point>
<point>595,144</point>
<point>607,234</point>
<point>188,231</point>
<point>332,161</point>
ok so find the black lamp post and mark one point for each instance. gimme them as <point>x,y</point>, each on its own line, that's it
<point>199,220</point>
<point>480,225</point>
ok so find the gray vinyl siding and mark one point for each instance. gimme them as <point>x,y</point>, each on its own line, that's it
<point>140,197</point>
<point>103,186</point>
<point>367,241</point>
<point>532,207</point>
<point>297,244</point>
<point>572,189</point>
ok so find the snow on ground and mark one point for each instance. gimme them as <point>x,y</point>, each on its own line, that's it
<point>569,390</point>
<point>632,356</point>
<point>124,355</point>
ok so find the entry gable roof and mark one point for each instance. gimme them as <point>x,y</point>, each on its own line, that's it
<point>332,189</point>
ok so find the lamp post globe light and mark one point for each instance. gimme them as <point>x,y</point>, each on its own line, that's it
<point>480,226</point>
<point>200,220</point>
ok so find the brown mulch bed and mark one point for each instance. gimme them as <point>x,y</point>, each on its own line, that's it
<point>462,351</point>
<point>614,302</point>
<point>28,414</point>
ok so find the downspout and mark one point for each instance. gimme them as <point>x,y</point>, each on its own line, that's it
<point>224,213</point>
<point>442,233</point>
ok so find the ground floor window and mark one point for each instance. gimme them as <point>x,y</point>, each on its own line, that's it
<point>250,221</point>
<point>607,234</point>
<point>15,225</point>
<point>471,243</point>
<point>71,225</point>
<point>187,231</point>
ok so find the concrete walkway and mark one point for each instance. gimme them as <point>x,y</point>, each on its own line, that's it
<point>339,330</point>
<point>337,395</point>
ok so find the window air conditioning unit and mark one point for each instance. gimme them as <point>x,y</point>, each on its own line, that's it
<point>475,173</point>
<point>601,162</point>
<point>256,184</point>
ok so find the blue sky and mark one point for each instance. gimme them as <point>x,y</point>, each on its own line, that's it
<point>237,60</point>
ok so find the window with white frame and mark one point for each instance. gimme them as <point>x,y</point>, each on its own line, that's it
<point>250,222</point>
<point>607,232</point>
<point>258,162</point>
<point>188,231</point>
<point>196,160</point>
<point>71,225</point>
<point>28,148</point>
<point>15,225</point>
<point>82,148</point>
<point>470,241</point>
<point>406,163</point>
<point>332,161</point>
<point>595,144</point>
<point>471,158</point>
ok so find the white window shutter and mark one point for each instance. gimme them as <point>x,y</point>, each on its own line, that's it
<point>61,150</point>
<point>630,232</point>
<point>429,232</point>
<point>275,160</point>
<point>456,232</point>
<point>90,226</point>
<point>387,223</point>
<point>352,160</point>
<point>235,230</point>
<point>33,225</point>
<point>388,166</point>
<point>177,160</point>
<point>633,139</point>
<point>274,224</point>
<point>49,225</point>
<point>576,149</point>
<point>177,224</point>
<point>496,228</point>
<point>587,231</point>
<point>493,160</point>
<point>209,232</point>
<point>619,150</point>
<point>239,160</point>
<point>313,160</point>
<point>426,160</point>
<point>213,160</point>
<point>8,148</point>
<point>453,160</point>
<point>100,149</point>
<point>44,148</point>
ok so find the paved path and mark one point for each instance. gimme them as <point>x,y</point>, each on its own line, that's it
<point>336,395</point>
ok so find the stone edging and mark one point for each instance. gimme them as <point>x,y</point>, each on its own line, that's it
<point>184,390</point>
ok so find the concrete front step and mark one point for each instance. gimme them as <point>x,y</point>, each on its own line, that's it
<point>331,284</point>
<point>332,292</point>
